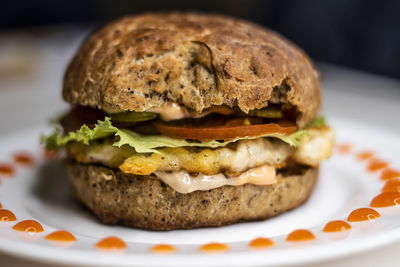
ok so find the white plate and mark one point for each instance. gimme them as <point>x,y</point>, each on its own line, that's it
<point>41,193</point>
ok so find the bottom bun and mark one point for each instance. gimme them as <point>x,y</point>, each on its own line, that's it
<point>146,202</point>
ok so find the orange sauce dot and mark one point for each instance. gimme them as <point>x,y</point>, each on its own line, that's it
<point>163,248</point>
<point>392,185</point>
<point>300,235</point>
<point>111,243</point>
<point>214,248</point>
<point>336,226</point>
<point>1,206</point>
<point>6,169</point>
<point>7,216</point>
<point>363,214</point>
<point>29,226</point>
<point>261,242</point>
<point>389,173</point>
<point>24,158</point>
<point>365,155</point>
<point>376,165</point>
<point>344,148</point>
<point>62,236</point>
<point>386,199</point>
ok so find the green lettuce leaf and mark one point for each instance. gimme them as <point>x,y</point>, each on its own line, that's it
<point>317,123</point>
<point>147,143</point>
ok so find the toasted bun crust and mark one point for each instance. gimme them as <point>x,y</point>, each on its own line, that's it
<point>198,60</point>
<point>146,202</point>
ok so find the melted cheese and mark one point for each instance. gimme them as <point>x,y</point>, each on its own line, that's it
<point>263,175</point>
<point>183,182</point>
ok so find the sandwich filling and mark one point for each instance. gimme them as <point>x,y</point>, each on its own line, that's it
<point>194,151</point>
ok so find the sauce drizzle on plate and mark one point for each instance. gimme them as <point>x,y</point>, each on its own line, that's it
<point>163,249</point>
<point>336,226</point>
<point>392,185</point>
<point>365,155</point>
<point>386,199</point>
<point>390,173</point>
<point>7,216</point>
<point>261,242</point>
<point>376,165</point>
<point>300,235</point>
<point>6,169</point>
<point>24,159</point>
<point>29,226</point>
<point>344,148</point>
<point>363,214</point>
<point>214,248</point>
<point>111,243</point>
<point>61,236</point>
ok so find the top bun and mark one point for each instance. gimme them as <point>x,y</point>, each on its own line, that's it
<point>197,60</point>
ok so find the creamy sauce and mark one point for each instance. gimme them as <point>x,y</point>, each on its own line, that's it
<point>173,111</point>
<point>263,175</point>
<point>183,182</point>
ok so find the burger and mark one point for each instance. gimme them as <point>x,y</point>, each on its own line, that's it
<point>185,120</point>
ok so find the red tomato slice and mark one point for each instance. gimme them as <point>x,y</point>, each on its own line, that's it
<point>223,132</point>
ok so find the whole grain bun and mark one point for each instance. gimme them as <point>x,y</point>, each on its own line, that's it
<point>198,60</point>
<point>146,202</point>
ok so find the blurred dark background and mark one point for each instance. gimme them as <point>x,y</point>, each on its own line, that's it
<point>355,33</point>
